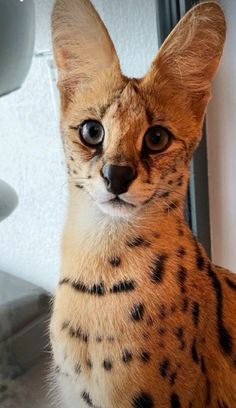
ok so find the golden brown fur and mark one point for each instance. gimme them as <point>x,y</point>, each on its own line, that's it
<point>141,317</point>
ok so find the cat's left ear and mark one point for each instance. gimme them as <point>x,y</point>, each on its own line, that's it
<point>82,47</point>
<point>188,59</point>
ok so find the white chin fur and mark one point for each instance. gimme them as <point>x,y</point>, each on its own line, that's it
<point>117,210</point>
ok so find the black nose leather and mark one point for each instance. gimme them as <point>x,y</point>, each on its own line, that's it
<point>118,178</point>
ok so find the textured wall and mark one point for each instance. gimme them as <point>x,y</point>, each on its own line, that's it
<point>31,159</point>
<point>221,125</point>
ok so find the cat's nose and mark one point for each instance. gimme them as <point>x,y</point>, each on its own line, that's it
<point>118,178</point>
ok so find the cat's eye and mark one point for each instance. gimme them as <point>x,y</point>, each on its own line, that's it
<point>157,139</point>
<point>91,133</point>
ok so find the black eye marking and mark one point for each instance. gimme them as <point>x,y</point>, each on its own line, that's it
<point>137,312</point>
<point>174,401</point>
<point>195,313</point>
<point>195,356</point>
<point>138,241</point>
<point>164,366</point>
<point>127,356</point>
<point>142,400</point>
<point>230,283</point>
<point>181,277</point>
<point>123,286</point>
<point>145,356</point>
<point>115,261</point>
<point>107,364</point>
<point>157,139</point>
<point>224,337</point>
<point>158,268</point>
<point>179,333</point>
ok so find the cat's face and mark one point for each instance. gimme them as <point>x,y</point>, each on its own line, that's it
<point>128,142</point>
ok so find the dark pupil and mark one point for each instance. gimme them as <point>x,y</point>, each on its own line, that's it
<point>156,138</point>
<point>93,131</point>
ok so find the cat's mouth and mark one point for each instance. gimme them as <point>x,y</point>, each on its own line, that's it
<point>117,201</point>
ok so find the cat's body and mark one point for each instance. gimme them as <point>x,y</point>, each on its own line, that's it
<point>141,317</point>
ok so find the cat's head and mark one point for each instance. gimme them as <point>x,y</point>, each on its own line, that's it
<point>128,142</point>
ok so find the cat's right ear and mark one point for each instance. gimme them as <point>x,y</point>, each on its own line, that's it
<point>83,49</point>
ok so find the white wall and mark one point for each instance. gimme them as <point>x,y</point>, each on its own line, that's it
<point>31,159</point>
<point>221,130</point>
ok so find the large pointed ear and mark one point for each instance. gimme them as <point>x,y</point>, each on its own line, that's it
<point>189,57</point>
<point>83,49</point>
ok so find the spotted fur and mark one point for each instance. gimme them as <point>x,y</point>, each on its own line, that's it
<point>141,318</point>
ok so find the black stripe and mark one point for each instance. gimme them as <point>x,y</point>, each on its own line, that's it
<point>123,286</point>
<point>230,283</point>
<point>224,337</point>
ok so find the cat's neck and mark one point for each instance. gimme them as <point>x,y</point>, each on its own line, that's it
<point>88,225</point>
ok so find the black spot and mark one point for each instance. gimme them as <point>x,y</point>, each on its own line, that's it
<point>181,251</point>
<point>202,365</point>
<point>230,283</point>
<point>162,312</point>
<point>77,368</point>
<point>170,182</point>
<point>172,206</point>
<point>179,333</point>
<point>98,338</point>
<point>74,171</point>
<point>195,313</point>
<point>164,366</point>
<point>138,241</point>
<point>115,261</point>
<point>89,363</point>
<point>185,304</point>
<point>97,289</point>
<point>107,365</point>
<point>174,401</point>
<point>161,331</point>
<point>165,194</point>
<point>79,186</point>
<point>143,400</point>
<point>110,339</point>
<point>145,356</point>
<point>127,356</point>
<point>224,337</point>
<point>65,325</point>
<point>181,276</point>
<point>86,397</point>
<point>200,261</point>
<point>172,378</point>
<point>173,308</point>
<point>123,286</point>
<point>194,353</point>
<point>158,268</point>
<point>137,312</point>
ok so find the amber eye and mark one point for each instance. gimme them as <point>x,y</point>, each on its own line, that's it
<point>91,133</point>
<point>157,139</point>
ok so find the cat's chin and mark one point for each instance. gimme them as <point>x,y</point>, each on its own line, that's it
<point>117,208</point>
